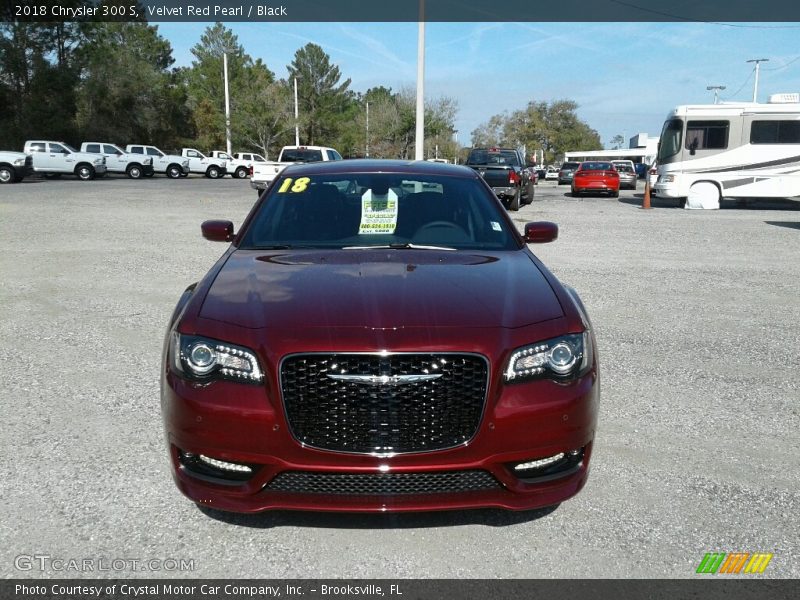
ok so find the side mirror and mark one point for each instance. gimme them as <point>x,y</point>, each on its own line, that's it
<point>217,231</point>
<point>540,232</point>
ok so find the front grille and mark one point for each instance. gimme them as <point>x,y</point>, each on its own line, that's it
<point>29,161</point>
<point>383,484</point>
<point>374,417</point>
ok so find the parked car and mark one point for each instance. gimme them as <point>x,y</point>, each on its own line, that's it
<point>53,159</point>
<point>171,165</point>
<point>446,369</point>
<point>14,166</point>
<point>596,177</point>
<point>627,174</point>
<point>504,171</point>
<point>566,171</point>
<point>551,174</point>
<point>212,167</point>
<point>118,161</point>
<point>239,164</point>
<point>264,173</point>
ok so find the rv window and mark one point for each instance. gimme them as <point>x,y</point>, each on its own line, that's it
<point>707,135</point>
<point>775,132</point>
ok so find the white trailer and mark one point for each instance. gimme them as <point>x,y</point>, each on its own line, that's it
<point>742,150</point>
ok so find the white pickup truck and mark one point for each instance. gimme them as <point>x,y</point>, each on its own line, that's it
<point>14,166</point>
<point>264,173</point>
<point>212,167</point>
<point>239,163</point>
<point>171,165</point>
<point>118,161</point>
<point>53,159</point>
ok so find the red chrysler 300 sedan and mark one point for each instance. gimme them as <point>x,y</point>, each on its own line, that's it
<point>379,337</point>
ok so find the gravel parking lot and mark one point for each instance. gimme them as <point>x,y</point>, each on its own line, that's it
<point>698,324</point>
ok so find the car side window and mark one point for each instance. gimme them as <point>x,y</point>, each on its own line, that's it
<point>111,150</point>
<point>153,152</point>
<point>137,150</point>
<point>93,148</point>
<point>58,148</point>
<point>38,147</point>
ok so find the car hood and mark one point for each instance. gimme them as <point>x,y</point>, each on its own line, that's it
<point>380,289</point>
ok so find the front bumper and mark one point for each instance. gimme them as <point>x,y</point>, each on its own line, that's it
<point>246,424</point>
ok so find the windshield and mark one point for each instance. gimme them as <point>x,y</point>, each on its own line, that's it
<point>379,210</point>
<point>671,137</point>
<point>596,166</point>
<point>570,165</point>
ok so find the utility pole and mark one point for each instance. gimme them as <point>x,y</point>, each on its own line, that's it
<point>296,116</point>
<point>366,154</point>
<point>717,89</point>
<point>758,61</point>
<point>420,132</point>
<point>227,100</point>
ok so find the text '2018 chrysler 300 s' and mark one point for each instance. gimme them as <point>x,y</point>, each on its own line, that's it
<point>379,337</point>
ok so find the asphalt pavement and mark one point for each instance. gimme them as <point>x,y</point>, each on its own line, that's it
<point>698,326</point>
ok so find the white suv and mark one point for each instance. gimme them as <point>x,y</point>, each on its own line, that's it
<point>53,159</point>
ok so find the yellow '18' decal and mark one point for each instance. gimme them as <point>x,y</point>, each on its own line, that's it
<point>299,186</point>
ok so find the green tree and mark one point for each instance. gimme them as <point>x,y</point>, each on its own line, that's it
<point>127,91</point>
<point>323,101</point>
<point>617,142</point>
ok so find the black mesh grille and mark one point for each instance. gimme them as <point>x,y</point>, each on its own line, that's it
<point>382,484</point>
<point>365,417</point>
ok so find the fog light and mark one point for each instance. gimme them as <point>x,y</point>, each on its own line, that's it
<point>225,466</point>
<point>539,464</point>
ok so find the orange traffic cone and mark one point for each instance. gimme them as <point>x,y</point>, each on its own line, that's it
<point>646,199</point>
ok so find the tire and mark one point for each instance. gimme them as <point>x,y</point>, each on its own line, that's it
<point>531,194</point>
<point>134,171</point>
<point>241,173</point>
<point>84,172</point>
<point>7,175</point>
<point>174,171</point>
<point>515,201</point>
<point>615,194</point>
<point>212,172</point>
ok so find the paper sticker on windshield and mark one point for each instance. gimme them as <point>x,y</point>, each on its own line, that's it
<point>496,226</point>
<point>378,213</point>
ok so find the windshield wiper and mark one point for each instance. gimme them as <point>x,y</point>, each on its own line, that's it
<point>403,246</point>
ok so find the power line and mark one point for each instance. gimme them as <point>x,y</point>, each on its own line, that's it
<point>744,84</point>
<point>691,20</point>
<point>795,59</point>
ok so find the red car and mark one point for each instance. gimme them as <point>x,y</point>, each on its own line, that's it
<point>378,337</point>
<point>596,177</point>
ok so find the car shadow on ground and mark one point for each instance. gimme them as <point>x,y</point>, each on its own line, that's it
<point>637,199</point>
<point>787,224</point>
<point>424,520</point>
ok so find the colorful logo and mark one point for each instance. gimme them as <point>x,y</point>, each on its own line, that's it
<point>734,563</point>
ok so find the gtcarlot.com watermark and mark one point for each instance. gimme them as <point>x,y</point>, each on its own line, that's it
<point>48,563</point>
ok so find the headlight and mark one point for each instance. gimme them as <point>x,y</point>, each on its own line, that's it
<point>19,162</point>
<point>559,358</point>
<point>186,164</point>
<point>147,161</point>
<point>204,359</point>
<point>667,178</point>
<point>99,161</point>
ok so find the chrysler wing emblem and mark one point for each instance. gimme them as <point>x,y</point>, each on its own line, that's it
<point>385,379</point>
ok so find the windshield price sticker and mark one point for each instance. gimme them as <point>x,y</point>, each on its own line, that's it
<point>378,213</point>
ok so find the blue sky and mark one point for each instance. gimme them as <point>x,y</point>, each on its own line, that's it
<point>625,77</point>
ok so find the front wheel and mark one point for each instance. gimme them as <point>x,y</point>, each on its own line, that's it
<point>174,171</point>
<point>134,171</point>
<point>212,172</point>
<point>84,172</point>
<point>241,173</point>
<point>6,175</point>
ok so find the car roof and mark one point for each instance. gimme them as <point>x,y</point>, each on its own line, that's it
<point>368,165</point>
